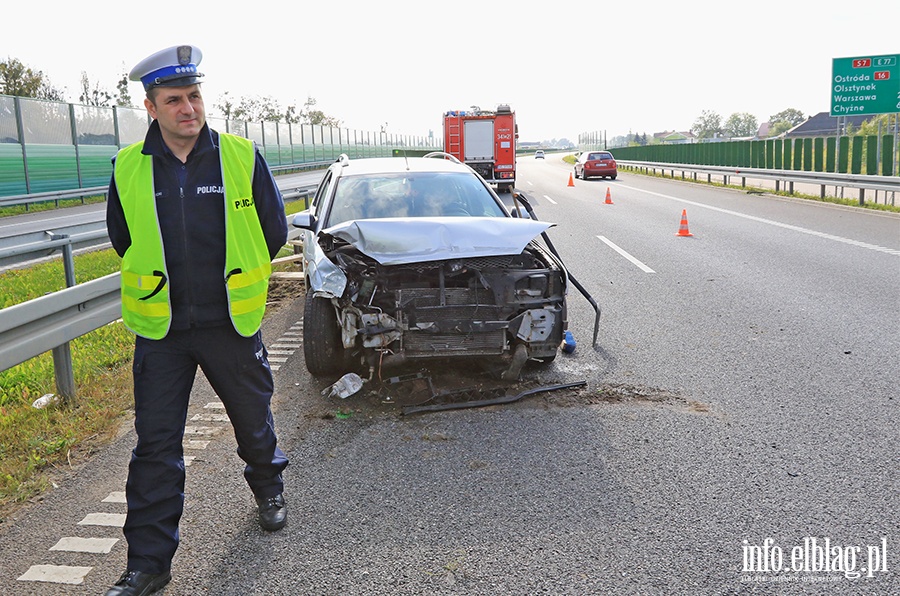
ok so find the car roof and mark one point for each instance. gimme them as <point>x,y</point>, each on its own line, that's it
<point>388,165</point>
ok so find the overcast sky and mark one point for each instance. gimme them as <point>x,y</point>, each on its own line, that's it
<point>565,67</point>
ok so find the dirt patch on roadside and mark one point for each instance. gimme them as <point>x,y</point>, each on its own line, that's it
<point>458,387</point>
<point>623,393</point>
<point>282,291</point>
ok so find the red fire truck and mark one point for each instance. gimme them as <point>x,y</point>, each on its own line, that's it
<point>485,141</point>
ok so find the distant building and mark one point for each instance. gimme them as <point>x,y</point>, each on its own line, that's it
<point>823,124</point>
<point>674,137</point>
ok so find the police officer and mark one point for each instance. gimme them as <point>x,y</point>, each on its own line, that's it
<point>197,218</point>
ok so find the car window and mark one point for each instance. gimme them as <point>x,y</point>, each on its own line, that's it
<point>321,191</point>
<point>426,194</point>
<point>599,156</point>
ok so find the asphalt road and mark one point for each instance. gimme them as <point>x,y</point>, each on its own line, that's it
<point>740,415</point>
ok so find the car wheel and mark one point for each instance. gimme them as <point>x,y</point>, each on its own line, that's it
<point>613,177</point>
<point>322,347</point>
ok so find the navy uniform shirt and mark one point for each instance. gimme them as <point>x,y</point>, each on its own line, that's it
<point>190,202</point>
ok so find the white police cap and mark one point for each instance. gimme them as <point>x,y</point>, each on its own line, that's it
<point>172,67</point>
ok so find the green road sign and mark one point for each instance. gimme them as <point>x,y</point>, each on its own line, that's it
<point>865,85</point>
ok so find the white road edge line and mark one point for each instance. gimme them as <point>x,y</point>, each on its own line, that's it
<point>636,262</point>
<point>778,224</point>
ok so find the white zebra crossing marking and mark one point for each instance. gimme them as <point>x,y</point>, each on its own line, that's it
<point>113,520</point>
<point>85,545</point>
<point>58,574</point>
<point>115,497</point>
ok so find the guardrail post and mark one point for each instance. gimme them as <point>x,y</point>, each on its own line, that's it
<point>62,355</point>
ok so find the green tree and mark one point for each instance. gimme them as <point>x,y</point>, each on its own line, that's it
<point>123,97</point>
<point>311,116</point>
<point>256,109</point>
<point>23,81</point>
<point>741,125</point>
<point>870,126</point>
<point>92,94</point>
<point>784,120</point>
<point>708,125</point>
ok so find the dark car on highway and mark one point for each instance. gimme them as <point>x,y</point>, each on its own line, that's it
<point>595,163</point>
<point>408,259</point>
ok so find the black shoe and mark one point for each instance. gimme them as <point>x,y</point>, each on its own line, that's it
<point>272,513</point>
<point>138,583</point>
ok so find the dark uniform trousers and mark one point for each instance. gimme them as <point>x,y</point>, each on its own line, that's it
<point>238,370</point>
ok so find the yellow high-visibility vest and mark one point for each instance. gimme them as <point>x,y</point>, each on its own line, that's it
<point>146,308</point>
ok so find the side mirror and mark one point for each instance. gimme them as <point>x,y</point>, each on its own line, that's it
<point>304,220</point>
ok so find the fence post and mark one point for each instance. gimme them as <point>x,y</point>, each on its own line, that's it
<point>62,355</point>
<point>20,130</point>
<point>74,130</point>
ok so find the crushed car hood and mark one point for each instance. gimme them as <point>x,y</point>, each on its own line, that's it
<point>399,241</point>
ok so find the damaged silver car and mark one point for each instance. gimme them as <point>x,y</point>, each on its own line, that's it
<point>411,259</point>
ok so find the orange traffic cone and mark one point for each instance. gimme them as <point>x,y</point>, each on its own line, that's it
<point>608,197</point>
<point>683,230</point>
<point>571,181</point>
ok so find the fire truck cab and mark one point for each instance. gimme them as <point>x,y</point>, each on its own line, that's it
<point>485,141</point>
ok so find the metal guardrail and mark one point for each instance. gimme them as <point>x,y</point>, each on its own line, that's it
<point>27,246</point>
<point>23,247</point>
<point>50,322</point>
<point>96,191</point>
<point>54,195</point>
<point>862,182</point>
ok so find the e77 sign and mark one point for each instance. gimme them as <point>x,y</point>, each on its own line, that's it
<point>865,85</point>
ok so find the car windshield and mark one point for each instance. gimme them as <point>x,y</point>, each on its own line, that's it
<point>596,156</point>
<point>411,194</point>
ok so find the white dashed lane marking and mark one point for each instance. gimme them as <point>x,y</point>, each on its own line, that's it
<point>115,497</point>
<point>57,574</point>
<point>113,520</point>
<point>85,545</point>
<point>283,348</point>
<point>209,418</point>
<point>200,430</point>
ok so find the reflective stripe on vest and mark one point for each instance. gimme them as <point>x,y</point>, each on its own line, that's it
<point>247,262</point>
<point>146,308</point>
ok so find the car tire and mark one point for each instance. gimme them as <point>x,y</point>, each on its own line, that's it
<point>322,347</point>
<point>612,177</point>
